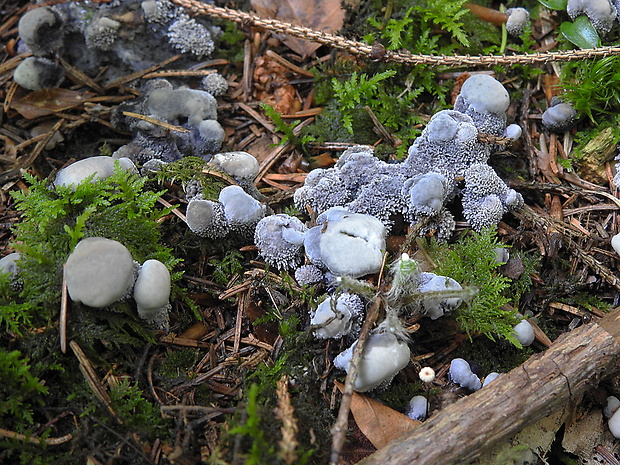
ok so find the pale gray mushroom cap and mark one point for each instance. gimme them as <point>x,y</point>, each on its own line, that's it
<point>353,246</point>
<point>490,378</point>
<point>560,117</point>
<point>384,356</point>
<point>613,403</point>
<point>101,167</point>
<point>484,94</point>
<point>513,131</point>
<point>434,307</point>
<point>240,208</point>
<point>280,239</point>
<point>8,264</point>
<point>41,30</point>
<point>460,373</point>
<point>417,409</point>
<point>152,290</point>
<point>99,272</point>
<point>600,12</point>
<point>426,193</point>
<point>518,19</point>
<point>172,105</point>
<point>101,33</point>
<point>206,218</point>
<point>239,165</point>
<point>35,73</point>
<point>524,332</point>
<point>345,318</point>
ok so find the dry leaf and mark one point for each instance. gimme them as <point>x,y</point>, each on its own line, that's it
<point>46,101</point>
<point>379,423</point>
<point>320,15</point>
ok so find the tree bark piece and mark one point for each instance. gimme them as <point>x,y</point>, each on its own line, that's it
<point>458,434</point>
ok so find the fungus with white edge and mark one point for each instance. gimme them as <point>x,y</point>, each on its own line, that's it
<point>559,117</point>
<point>518,20</point>
<point>41,29</point>
<point>239,165</point>
<point>612,405</point>
<point>280,239</point>
<point>383,357</point>
<point>426,193</point>
<point>242,211</point>
<point>461,374</point>
<point>490,378</point>
<point>486,100</point>
<point>152,291</point>
<point>215,84</point>
<point>614,424</point>
<point>427,375</point>
<point>206,218</point>
<point>99,272</point>
<point>189,36</point>
<point>36,73</point>
<point>615,243</point>
<point>8,264</point>
<point>601,13</point>
<point>337,317</point>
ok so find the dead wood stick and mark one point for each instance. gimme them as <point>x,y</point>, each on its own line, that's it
<point>530,392</point>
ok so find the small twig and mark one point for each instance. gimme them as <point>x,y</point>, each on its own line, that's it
<point>339,430</point>
<point>5,433</point>
<point>170,127</point>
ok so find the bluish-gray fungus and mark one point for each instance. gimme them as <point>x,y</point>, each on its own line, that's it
<point>280,239</point>
<point>422,185</point>
<point>99,167</point>
<point>35,73</point>
<point>215,84</point>
<point>486,100</point>
<point>601,13</point>
<point>461,374</point>
<point>152,292</point>
<point>8,264</point>
<point>417,409</point>
<point>242,211</point>
<point>337,317</point>
<point>101,33</point>
<point>518,20</point>
<point>559,117</point>
<point>189,36</point>
<point>436,305</point>
<point>352,244</point>
<point>486,197</point>
<point>206,218</point>
<point>426,193</point>
<point>41,29</point>
<point>307,275</point>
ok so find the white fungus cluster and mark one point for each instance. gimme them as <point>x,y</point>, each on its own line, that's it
<point>101,271</point>
<point>307,275</point>
<point>420,187</point>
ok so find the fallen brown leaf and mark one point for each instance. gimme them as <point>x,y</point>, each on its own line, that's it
<point>46,101</point>
<point>320,15</point>
<point>379,423</point>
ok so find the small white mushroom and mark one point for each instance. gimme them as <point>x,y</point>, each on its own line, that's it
<point>335,318</point>
<point>524,332</point>
<point>240,165</point>
<point>612,405</point>
<point>384,356</point>
<point>99,272</point>
<point>35,73</point>
<point>152,291</point>
<point>490,378</point>
<point>615,243</point>
<point>614,424</point>
<point>101,167</point>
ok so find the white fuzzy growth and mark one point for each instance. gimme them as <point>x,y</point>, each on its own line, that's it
<point>460,373</point>
<point>99,272</point>
<point>417,408</point>
<point>384,356</point>
<point>524,332</point>
<point>600,12</point>
<point>485,94</point>
<point>101,167</point>
<point>513,131</point>
<point>152,289</point>
<point>240,208</point>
